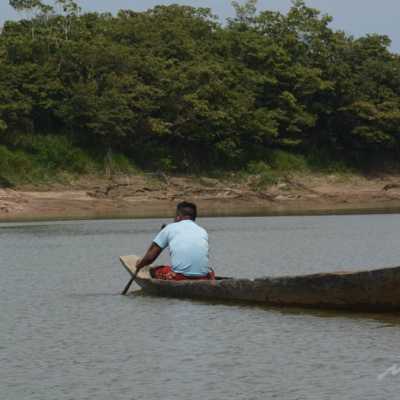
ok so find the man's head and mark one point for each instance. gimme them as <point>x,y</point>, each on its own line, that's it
<point>185,210</point>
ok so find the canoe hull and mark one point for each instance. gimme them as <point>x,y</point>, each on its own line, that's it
<point>369,291</point>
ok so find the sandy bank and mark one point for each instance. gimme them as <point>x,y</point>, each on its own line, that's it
<point>132,197</point>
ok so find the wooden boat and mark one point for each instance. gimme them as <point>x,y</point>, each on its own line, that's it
<point>368,290</point>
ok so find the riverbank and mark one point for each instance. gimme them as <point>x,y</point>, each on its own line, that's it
<point>135,196</point>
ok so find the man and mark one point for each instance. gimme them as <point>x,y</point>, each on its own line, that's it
<point>188,247</point>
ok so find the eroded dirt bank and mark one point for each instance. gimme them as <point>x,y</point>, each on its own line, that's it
<point>133,196</point>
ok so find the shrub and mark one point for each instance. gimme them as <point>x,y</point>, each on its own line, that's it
<point>262,175</point>
<point>284,161</point>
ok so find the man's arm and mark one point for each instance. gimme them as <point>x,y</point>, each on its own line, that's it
<point>151,255</point>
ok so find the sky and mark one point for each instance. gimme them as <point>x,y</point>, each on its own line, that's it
<point>354,17</point>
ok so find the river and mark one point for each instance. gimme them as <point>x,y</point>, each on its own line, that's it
<point>67,333</point>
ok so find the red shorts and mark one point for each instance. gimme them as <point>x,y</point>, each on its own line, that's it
<point>165,273</point>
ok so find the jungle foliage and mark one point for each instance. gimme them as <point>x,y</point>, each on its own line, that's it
<point>173,89</point>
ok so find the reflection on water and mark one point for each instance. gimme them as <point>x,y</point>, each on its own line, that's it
<point>66,333</point>
<point>388,319</point>
<point>289,209</point>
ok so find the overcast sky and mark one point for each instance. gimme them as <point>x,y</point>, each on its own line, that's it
<point>355,17</point>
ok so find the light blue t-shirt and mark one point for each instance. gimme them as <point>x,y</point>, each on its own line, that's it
<point>188,247</point>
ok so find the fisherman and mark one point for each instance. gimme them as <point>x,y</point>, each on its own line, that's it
<point>188,248</point>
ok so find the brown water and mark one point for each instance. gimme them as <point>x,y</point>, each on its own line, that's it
<point>66,333</point>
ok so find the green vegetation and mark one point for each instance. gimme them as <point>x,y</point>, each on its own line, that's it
<point>49,159</point>
<point>173,90</point>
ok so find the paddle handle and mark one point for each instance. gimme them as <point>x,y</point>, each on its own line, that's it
<point>128,285</point>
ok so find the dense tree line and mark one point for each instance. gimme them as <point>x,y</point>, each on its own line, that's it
<point>174,86</point>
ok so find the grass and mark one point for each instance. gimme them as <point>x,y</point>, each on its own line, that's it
<point>266,167</point>
<point>263,168</point>
<point>54,159</point>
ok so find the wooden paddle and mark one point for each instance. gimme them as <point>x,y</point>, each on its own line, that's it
<point>128,285</point>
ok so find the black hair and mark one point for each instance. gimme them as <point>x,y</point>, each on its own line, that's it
<point>187,209</point>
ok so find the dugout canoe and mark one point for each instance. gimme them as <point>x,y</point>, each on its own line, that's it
<point>375,290</point>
